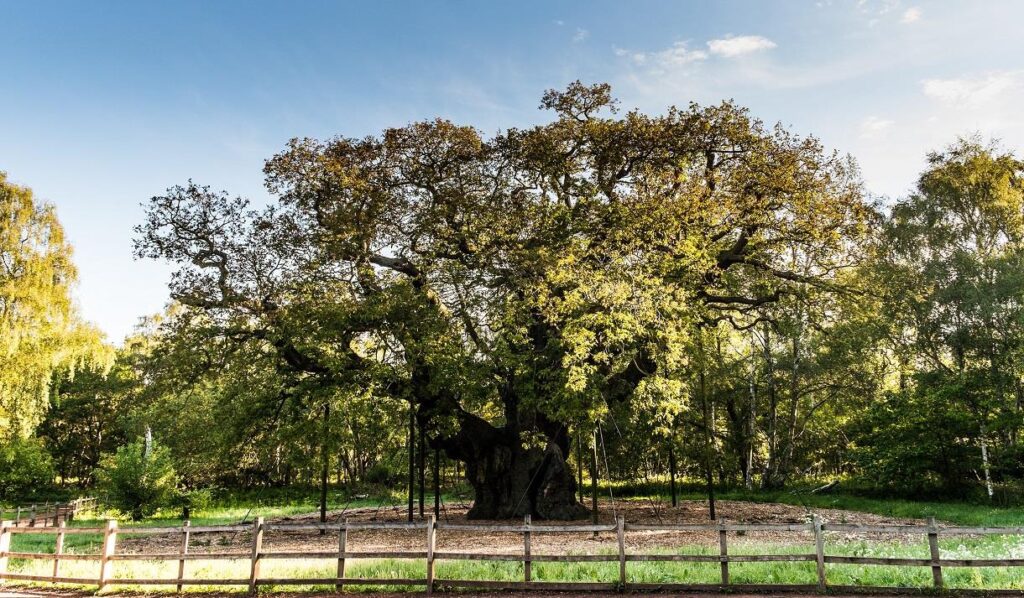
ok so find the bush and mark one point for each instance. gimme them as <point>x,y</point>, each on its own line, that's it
<point>196,499</point>
<point>1008,493</point>
<point>919,442</point>
<point>25,468</point>
<point>135,483</point>
<point>380,473</point>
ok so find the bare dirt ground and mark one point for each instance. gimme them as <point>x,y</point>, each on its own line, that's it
<point>542,543</point>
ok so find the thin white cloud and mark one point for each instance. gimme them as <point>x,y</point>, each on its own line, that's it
<point>580,35</point>
<point>676,55</point>
<point>733,46</point>
<point>975,91</point>
<point>911,15</point>
<point>874,127</point>
<point>883,11</point>
<point>678,71</point>
<point>877,8</point>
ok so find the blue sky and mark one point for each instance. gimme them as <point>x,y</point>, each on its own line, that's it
<point>105,103</point>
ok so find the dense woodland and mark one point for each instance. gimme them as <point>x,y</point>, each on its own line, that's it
<point>691,294</point>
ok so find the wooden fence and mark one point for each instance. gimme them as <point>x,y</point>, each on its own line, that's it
<point>256,554</point>
<point>32,515</point>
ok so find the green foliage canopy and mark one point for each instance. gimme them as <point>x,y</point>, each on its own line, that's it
<point>40,329</point>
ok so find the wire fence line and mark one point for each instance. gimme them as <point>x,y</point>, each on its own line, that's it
<point>430,555</point>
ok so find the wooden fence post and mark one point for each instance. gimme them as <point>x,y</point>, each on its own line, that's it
<point>58,549</point>
<point>17,518</point>
<point>257,547</point>
<point>185,533</point>
<point>933,545</point>
<point>527,563</point>
<point>342,541</point>
<point>5,545</point>
<point>620,535</point>
<point>819,551</point>
<point>32,516</point>
<point>431,538</point>
<point>723,551</point>
<point>109,544</point>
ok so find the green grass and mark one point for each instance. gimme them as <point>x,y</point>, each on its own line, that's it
<point>236,507</point>
<point>802,573</point>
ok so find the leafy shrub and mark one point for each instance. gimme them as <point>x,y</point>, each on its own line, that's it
<point>380,473</point>
<point>136,483</point>
<point>920,442</point>
<point>195,499</point>
<point>25,468</point>
<point>1009,493</point>
<point>1008,463</point>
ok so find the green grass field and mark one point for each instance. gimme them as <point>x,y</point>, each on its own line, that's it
<point>638,572</point>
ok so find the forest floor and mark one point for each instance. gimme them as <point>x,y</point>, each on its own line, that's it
<point>637,512</point>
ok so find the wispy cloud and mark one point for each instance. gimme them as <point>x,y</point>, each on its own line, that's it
<point>733,46</point>
<point>874,127</point>
<point>580,35</point>
<point>877,8</point>
<point>878,11</point>
<point>678,54</point>
<point>663,75</point>
<point>911,15</point>
<point>974,91</point>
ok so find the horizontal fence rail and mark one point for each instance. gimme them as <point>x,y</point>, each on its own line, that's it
<point>46,513</point>
<point>256,554</point>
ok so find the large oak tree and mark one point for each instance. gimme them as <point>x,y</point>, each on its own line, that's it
<point>511,288</point>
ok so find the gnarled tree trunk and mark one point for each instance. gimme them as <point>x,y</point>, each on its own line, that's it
<point>509,479</point>
<point>512,481</point>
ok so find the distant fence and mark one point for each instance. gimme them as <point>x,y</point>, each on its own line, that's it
<point>31,515</point>
<point>257,555</point>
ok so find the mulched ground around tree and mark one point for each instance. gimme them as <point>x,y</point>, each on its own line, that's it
<point>634,511</point>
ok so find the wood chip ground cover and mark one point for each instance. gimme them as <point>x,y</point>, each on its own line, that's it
<point>542,543</point>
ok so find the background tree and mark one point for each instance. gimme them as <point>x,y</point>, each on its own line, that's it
<point>951,272</point>
<point>87,419</point>
<point>40,329</point>
<point>25,469</point>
